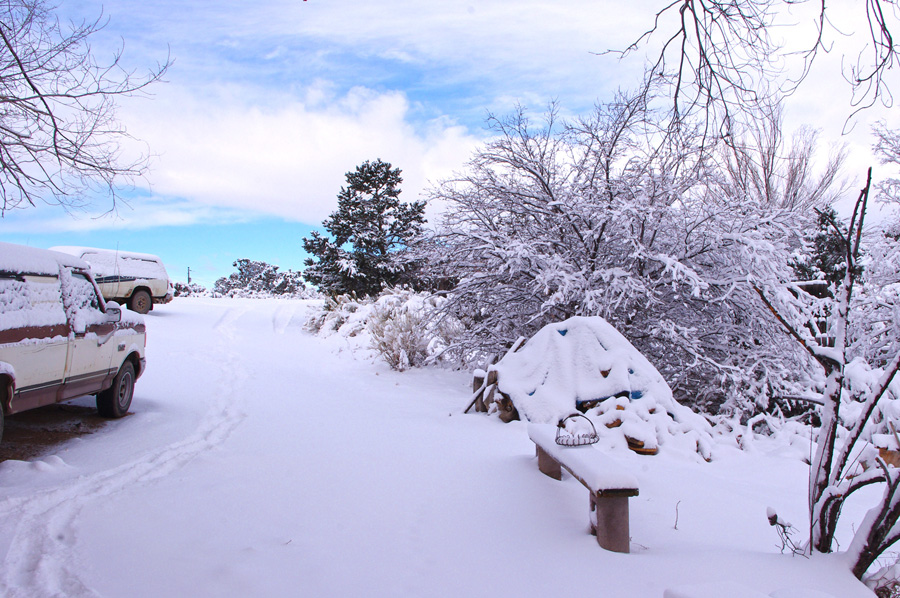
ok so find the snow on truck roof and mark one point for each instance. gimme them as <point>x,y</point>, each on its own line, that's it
<point>80,251</point>
<point>31,260</point>
<point>112,262</point>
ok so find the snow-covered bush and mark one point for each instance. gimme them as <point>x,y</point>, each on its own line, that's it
<point>598,217</point>
<point>398,329</point>
<point>402,327</point>
<point>407,329</point>
<point>188,290</point>
<point>337,313</point>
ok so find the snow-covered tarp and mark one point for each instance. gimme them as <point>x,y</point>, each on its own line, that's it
<point>580,360</point>
<point>585,364</point>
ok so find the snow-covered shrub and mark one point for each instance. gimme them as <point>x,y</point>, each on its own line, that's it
<point>399,331</point>
<point>408,330</point>
<point>337,312</point>
<point>403,327</point>
<point>593,217</point>
<point>188,290</point>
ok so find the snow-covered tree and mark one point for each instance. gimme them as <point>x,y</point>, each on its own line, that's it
<point>823,258</point>
<point>850,397</point>
<point>723,60</point>
<point>187,289</point>
<point>606,216</point>
<point>370,230</point>
<point>256,277</point>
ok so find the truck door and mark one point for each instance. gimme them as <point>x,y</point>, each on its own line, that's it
<point>93,336</point>
<point>33,337</point>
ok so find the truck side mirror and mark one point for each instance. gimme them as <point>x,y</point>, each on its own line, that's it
<point>113,312</point>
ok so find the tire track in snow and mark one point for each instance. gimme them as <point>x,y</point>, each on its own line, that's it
<point>282,317</point>
<point>40,562</point>
<point>285,315</point>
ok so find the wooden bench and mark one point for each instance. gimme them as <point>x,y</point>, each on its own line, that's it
<point>609,483</point>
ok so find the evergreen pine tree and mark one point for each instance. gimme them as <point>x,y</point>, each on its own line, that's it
<point>370,231</point>
<point>826,258</point>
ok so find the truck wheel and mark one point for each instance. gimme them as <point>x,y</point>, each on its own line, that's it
<point>115,400</point>
<point>140,302</point>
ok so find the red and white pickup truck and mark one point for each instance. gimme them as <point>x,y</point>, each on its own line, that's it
<point>59,339</point>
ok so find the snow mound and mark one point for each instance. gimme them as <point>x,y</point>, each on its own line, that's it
<point>13,470</point>
<point>585,364</point>
<point>735,590</point>
<point>713,590</point>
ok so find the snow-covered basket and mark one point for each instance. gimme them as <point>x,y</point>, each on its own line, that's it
<point>576,430</point>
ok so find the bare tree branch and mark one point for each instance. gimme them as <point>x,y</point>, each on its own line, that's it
<point>720,57</point>
<point>59,135</point>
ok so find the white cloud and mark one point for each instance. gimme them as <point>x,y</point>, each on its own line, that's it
<point>230,147</point>
<point>145,213</point>
<point>258,117</point>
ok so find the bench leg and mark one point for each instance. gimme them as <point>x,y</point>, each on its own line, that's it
<point>547,464</point>
<point>609,522</point>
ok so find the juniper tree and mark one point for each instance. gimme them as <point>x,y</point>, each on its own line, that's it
<point>370,231</point>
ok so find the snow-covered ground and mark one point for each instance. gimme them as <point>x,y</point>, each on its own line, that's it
<point>259,460</point>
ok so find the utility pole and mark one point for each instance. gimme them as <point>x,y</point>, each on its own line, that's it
<point>189,275</point>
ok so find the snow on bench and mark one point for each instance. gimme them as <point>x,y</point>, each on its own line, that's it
<point>609,483</point>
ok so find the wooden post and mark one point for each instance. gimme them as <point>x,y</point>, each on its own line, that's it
<point>547,464</point>
<point>609,522</point>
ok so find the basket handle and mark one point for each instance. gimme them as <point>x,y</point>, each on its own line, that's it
<point>562,426</point>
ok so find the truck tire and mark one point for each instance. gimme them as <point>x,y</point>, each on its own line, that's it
<point>115,400</point>
<point>141,302</point>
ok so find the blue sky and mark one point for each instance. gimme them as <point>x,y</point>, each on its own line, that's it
<point>269,103</point>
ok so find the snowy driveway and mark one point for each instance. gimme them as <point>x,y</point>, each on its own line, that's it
<point>258,460</point>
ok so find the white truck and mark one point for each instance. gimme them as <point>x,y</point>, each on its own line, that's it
<point>138,280</point>
<point>59,339</point>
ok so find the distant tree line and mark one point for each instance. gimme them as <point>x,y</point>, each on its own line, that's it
<point>255,277</point>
